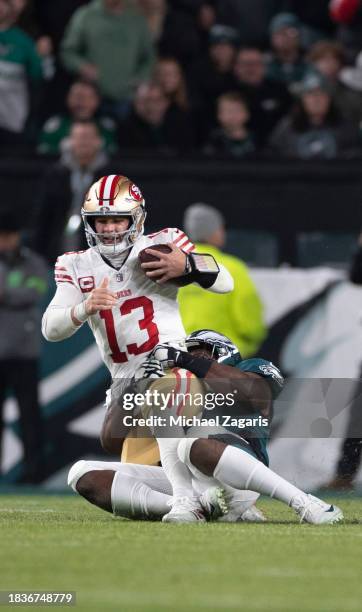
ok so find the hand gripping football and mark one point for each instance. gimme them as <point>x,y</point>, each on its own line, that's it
<point>145,257</point>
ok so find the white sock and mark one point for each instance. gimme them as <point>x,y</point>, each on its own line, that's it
<point>177,472</point>
<point>240,470</point>
<point>132,498</point>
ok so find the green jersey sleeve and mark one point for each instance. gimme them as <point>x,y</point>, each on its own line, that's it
<point>267,370</point>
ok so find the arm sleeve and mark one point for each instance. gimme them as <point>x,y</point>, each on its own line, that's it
<point>224,282</point>
<point>57,323</point>
<point>250,391</point>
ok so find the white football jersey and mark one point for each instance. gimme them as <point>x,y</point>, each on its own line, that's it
<point>146,314</point>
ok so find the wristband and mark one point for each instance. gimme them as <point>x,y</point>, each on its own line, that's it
<point>200,268</point>
<point>79,312</point>
<point>197,365</point>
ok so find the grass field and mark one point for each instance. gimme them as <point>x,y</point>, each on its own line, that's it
<point>62,543</point>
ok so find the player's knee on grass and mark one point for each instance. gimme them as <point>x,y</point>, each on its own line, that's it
<point>94,485</point>
<point>204,454</point>
<point>96,488</point>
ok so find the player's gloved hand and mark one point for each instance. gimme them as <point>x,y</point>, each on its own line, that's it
<point>175,356</point>
<point>167,355</point>
<point>149,370</point>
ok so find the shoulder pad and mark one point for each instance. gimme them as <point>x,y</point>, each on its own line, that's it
<point>262,367</point>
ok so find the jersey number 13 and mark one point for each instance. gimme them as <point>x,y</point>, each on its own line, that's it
<point>147,324</point>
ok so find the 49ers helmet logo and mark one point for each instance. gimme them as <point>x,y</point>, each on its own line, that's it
<point>135,192</point>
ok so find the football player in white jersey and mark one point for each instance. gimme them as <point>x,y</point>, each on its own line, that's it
<point>128,312</point>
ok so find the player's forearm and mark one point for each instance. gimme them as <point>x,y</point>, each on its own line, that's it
<point>224,282</point>
<point>250,392</point>
<point>61,322</point>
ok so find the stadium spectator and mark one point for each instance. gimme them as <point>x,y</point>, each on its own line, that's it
<point>25,17</point>
<point>63,189</point>
<point>20,74</point>
<point>109,44</point>
<point>23,283</point>
<point>232,138</point>
<point>82,104</point>
<point>169,76</point>
<point>267,100</point>
<point>154,123</point>
<point>328,58</point>
<point>238,314</point>
<point>212,76</point>
<point>286,63</point>
<point>315,128</point>
<point>178,29</point>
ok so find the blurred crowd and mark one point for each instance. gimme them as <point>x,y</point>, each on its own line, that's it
<point>90,79</point>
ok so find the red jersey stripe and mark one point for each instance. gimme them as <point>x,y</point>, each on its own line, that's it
<point>63,276</point>
<point>180,238</point>
<point>58,280</point>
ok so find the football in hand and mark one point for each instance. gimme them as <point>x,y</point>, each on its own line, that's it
<point>145,257</point>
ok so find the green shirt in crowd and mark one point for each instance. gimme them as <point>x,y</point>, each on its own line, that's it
<point>19,65</point>
<point>120,47</point>
<point>57,128</point>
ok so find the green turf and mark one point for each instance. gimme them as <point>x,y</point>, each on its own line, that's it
<point>62,543</point>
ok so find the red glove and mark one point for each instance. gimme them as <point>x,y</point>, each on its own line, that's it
<point>343,11</point>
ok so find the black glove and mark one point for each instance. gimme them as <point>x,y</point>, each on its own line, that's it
<point>171,357</point>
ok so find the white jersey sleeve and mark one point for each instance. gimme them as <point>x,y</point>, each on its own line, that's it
<point>175,235</point>
<point>57,322</point>
<point>224,282</point>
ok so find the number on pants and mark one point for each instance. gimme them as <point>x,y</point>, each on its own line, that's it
<point>147,324</point>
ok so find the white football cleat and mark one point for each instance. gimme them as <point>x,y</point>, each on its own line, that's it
<point>253,515</point>
<point>237,513</point>
<point>213,503</point>
<point>185,510</point>
<point>315,511</point>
